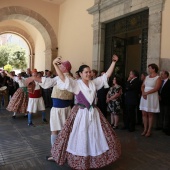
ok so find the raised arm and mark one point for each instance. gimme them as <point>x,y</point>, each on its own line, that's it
<point>112,66</point>
<point>56,63</point>
<point>12,77</point>
<point>30,79</point>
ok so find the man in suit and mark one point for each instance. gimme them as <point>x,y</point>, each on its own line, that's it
<point>131,100</point>
<point>164,94</point>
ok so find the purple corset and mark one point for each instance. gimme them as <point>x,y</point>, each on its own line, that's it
<point>80,98</point>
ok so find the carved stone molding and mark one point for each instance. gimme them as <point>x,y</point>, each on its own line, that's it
<point>105,11</point>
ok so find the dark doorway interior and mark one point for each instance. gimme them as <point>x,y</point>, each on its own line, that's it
<point>128,38</point>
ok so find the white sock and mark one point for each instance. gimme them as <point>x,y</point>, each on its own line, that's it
<point>53,139</point>
<point>14,114</point>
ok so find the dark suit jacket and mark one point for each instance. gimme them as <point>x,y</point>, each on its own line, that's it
<point>164,93</point>
<point>132,92</point>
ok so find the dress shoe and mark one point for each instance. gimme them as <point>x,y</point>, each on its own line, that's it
<point>25,116</point>
<point>44,120</point>
<point>131,130</point>
<point>31,124</point>
<point>158,128</point>
<point>13,117</point>
<point>167,133</point>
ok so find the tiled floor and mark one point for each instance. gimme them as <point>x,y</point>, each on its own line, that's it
<point>25,148</point>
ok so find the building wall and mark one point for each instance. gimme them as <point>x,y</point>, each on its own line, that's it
<point>108,10</point>
<point>75,32</point>
<point>47,12</point>
<point>165,37</point>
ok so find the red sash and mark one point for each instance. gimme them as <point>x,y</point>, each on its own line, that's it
<point>36,94</point>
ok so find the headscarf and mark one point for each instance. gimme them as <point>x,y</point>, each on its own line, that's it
<point>67,65</point>
<point>34,70</point>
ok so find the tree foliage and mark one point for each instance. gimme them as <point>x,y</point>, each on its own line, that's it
<point>13,55</point>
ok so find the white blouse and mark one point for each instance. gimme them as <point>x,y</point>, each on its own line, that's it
<point>21,81</point>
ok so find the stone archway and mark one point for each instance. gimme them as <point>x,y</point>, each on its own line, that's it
<point>25,36</point>
<point>108,10</point>
<point>36,20</point>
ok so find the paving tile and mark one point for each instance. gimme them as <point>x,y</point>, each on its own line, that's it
<point>25,148</point>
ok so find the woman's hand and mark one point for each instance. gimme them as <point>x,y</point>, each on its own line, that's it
<point>107,100</point>
<point>144,95</point>
<point>115,58</point>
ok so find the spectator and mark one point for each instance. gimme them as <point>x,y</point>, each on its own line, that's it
<point>113,100</point>
<point>77,76</point>
<point>149,102</point>
<point>28,73</point>
<point>164,96</point>
<point>94,74</point>
<point>131,100</point>
<point>139,112</point>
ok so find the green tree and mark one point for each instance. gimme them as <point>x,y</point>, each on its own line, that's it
<point>4,55</point>
<point>13,55</point>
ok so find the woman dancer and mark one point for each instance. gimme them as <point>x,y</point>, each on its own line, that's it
<point>87,140</point>
<point>19,101</point>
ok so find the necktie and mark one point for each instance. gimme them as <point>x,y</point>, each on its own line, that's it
<point>162,85</point>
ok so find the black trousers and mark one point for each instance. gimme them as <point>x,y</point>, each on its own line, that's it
<point>130,116</point>
<point>165,116</point>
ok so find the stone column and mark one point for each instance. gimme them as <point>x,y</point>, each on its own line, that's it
<point>50,54</point>
<point>31,59</point>
<point>98,43</point>
<point>154,33</point>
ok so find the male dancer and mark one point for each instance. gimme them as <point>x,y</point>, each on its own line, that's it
<point>62,100</point>
<point>35,102</point>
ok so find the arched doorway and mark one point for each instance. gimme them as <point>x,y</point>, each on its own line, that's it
<point>16,46</point>
<point>25,15</point>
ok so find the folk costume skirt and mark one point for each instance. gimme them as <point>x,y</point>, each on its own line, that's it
<point>100,158</point>
<point>19,101</point>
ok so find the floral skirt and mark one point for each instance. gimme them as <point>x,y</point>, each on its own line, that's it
<point>18,102</point>
<point>59,148</point>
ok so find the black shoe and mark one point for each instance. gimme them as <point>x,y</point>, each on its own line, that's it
<point>44,120</point>
<point>31,124</point>
<point>131,130</point>
<point>13,117</point>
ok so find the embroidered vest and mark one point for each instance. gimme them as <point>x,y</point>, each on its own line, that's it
<point>61,94</point>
